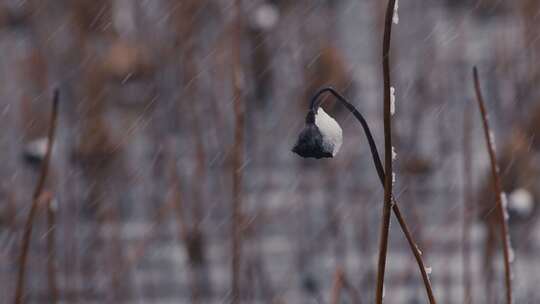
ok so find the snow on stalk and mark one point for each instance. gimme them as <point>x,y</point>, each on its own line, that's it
<point>392,100</point>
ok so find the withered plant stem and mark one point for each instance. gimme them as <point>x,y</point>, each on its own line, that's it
<point>25,244</point>
<point>385,221</point>
<point>315,103</point>
<point>237,157</point>
<point>497,188</point>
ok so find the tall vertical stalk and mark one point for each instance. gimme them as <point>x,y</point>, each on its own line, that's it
<point>497,187</point>
<point>23,256</point>
<point>195,238</point>
<point>385,222</point>
<point>467,209</point>
<point>51,250</point>
<point>238,155</point>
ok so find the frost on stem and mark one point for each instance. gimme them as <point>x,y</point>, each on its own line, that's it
<point>53,206</point>
<point>429,269</point>
<point>511,253</point>
<point>492,139</point>
<point>392,99</point>
<point>418,248</point>
<point>504,201</point>
<point>394,154</point>
<point>395,17</point>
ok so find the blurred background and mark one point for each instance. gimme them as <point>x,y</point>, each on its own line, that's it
<point>146,171</point>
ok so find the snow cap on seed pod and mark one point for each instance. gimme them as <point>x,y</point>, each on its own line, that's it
<point>321,137</point>
<point>34,152</point>
<point>265,17</point>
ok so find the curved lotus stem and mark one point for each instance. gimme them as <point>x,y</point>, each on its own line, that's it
<point>314,105</point>
<point>316,102</point>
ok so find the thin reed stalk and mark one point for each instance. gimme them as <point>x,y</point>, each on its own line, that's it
<point>238,156</point>
<point>385,222</point>
<point>467,209</point>
<point>337,286</point>
<point>501,210</point>
<point>341,283</point>
<point>23,256</point>
<point>51,249</point>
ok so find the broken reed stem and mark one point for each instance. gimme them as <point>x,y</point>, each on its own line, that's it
<point>51,251</point>
<point>238,156</point>
<point>385,222</point>
<point>467,208</point>
<point>353,293</point>
<point>315,103</point>
<point>341,283</point>
<point>497,187</point>
<point>19,289</point>
<point>176,201</point>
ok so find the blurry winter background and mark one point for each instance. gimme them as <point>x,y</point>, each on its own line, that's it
<point>142,169</point>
